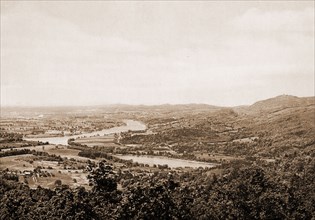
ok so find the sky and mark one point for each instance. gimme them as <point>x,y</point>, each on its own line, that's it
<point>226,53</point>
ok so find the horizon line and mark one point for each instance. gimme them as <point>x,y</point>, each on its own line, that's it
<point>147,105</point>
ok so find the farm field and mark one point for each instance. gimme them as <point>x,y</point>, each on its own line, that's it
<point>213,153</point>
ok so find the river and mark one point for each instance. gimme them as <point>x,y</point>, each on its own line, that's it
<point>171,162</point>
<point>130,125</point>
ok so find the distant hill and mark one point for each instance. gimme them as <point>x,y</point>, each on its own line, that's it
<point>277,103</point>
<point>284,124</point>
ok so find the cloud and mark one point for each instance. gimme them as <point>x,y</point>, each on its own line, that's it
<point>50,56</point>
<point>255,19</point>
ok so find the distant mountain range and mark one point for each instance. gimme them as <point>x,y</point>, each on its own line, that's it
<point>268,105</point>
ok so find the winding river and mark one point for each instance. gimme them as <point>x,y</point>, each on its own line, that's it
<point>130,125</point>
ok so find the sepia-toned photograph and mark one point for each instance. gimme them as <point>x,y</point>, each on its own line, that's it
<point>157,110</point>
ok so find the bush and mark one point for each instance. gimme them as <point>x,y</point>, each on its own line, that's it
<point>58,183</point>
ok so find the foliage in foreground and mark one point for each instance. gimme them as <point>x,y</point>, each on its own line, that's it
<point>251,192</point>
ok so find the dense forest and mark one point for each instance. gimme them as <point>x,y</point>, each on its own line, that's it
<point>246,190</point>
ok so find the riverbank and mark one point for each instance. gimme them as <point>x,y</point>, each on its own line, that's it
<point>130,125</point>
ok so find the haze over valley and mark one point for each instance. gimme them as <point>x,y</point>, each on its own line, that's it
<point>157,110</point>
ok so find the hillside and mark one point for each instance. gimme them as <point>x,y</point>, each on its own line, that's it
<point>278,103</point>
<point>280,125</point>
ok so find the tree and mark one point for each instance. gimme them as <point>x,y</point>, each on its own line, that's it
<point>58,182</point>
<point>102,178</point>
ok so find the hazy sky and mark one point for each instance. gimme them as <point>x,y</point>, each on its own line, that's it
<point>221,53</point>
